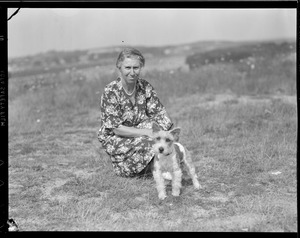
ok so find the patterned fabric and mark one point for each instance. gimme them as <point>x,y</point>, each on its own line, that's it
<point>130,155</point>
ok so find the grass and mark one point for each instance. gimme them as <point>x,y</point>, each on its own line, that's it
<point>240,136</point>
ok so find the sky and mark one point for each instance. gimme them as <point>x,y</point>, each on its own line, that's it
<point>36,30</point>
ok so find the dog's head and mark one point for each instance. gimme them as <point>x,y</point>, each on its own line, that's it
<point>164,139</point>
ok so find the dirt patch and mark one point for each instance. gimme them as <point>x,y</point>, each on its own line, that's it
<point>204,160</point>
<point>233,223</point>
<point>218,197</point>
<point>83,174</point>
<point>211,100</point>
<point>15,188</point>
<point>199,212</point>
<point>48,192</point>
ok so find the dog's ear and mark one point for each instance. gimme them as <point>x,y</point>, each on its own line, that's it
<point>175,132</point>
<point>155,127</point>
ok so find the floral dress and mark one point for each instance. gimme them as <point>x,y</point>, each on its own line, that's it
<point>130,155</point>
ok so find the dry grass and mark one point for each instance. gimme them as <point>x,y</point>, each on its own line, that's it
<point>243,142</point>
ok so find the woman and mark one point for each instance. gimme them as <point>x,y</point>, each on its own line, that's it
<point>129,105</point>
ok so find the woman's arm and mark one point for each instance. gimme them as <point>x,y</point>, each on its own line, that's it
<point>126,131</point>
<point>155,110</point>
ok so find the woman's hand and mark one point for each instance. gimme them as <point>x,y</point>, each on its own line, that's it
<point>148,132</point>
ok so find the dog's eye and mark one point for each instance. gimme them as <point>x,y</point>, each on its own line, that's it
<point>168,140</point>
<point>157,138</point>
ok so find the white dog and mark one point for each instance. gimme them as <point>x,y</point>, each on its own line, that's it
<point>169,155</point>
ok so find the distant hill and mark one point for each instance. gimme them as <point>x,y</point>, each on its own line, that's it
<point>55,61</point>
<point>247,52</point>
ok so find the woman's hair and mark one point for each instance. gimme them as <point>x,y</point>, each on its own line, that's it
<point>128,53</point>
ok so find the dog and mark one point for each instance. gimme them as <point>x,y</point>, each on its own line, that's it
<point>169,156</point>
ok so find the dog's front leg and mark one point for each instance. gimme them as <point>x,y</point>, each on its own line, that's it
<point>176,183</point>
<point>160,184</point>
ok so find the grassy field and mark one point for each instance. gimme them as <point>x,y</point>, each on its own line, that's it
<point>240,127</point>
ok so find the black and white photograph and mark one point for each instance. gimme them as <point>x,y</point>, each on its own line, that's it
<point>152,119</point>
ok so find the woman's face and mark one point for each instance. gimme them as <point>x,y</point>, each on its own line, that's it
<point>130,70</point>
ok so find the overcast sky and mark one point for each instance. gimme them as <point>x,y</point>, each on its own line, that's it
<point>36,30</point>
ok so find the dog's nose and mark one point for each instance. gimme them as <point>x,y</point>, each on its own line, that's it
<point>161,149</point>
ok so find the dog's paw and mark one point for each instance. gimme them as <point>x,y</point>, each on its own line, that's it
<point>197,185</point>
<point>176,193</point>
<point>162,196</point>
